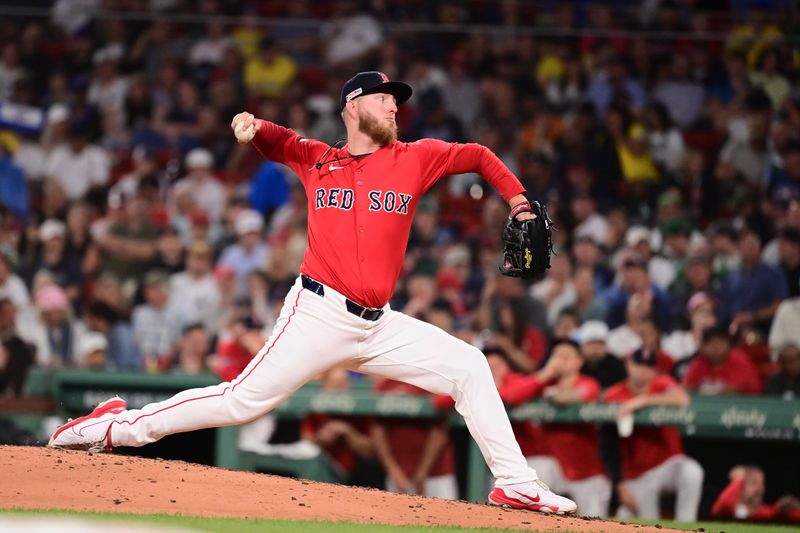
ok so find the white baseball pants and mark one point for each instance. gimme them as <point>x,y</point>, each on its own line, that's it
<point>679,474</point>
<point>592,494</point>
<point>314,333</point>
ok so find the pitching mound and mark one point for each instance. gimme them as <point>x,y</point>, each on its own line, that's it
<point>41,478</point>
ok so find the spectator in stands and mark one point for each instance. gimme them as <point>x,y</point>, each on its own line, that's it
<point>789,258</point>
<point>250,252</point>
<point>586,252</point>
<point>682,96</point>
<point>126,242</point>
<point>194,296</point>
<point>557,290</point>
<point>144,164</point>
<point>515,320</point>
<point>11,286</point>
<point>92,351</point>
<point>768,76</point>
<point>13,190</point>
<point>269,72</point>
<point>100,317</point>
<point>434,121</point>
<point>614,84</point>
<point>720,369</point>
<point>351,35</point>
<point>16,355</point>
<point>784,328</point>
<point>201,184</point>
<point>786,381</point>
<point>155,327</point>
<point>743,499</point>
<point>269,189</point>
<point>639,240</point>
<point>78,235</point>
<point>783,183</point>
<point>244,340</point>
<point>194,349</point>
<point>417,455</point>
<point>639,171</point>
<point>677,233</point>
<point>598,362</point>
<point>666,142</point>
<point>589,222</point>
<point>697,277</point>
<point>651,458</point>
<point>566,326</point>
<point>683,344</point>
<point>58,333</point>
<point>107,88</point>
<point>78,165</point>
<point>635,280</point>
<point>346,440</point>
<point>53,258</point>
<point>169,251</point>
<point>10,70</point>
<point>209,51</point>
<point>625,338</point>
<point>726,254</point>
<point>588,305</point>
<point>756,290</point>
<point>744,156</point>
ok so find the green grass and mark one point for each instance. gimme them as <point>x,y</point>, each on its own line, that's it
<point>242,525</point>
<point>727,527</point>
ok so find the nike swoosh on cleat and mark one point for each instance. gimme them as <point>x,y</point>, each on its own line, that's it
<point>524,497</point>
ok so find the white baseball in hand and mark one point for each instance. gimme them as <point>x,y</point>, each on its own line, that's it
<point>244,132</point>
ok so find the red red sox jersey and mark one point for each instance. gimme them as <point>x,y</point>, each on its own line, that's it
<point>360,208</point>
<point>647,447</point>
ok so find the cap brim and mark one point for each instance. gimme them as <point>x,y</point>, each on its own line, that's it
<point>401,91</point>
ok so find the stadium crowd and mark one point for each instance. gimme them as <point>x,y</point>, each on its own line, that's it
<point>135,234</point>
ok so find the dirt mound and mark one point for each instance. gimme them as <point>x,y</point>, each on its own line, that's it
<point>42,478</point>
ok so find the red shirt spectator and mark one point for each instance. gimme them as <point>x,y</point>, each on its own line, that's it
<point>720,369</point>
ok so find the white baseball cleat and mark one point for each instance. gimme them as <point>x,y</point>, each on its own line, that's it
<point>90,432</point>
<point>533,496</point>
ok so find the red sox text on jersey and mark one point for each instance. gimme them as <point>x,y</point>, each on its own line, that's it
<point>390,201</point>
<point>360,208</point>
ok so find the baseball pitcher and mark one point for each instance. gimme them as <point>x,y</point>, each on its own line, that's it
<point>361,200</point>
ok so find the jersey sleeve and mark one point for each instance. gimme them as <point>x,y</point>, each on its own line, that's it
<point>662,383</point>
<point>693,375</point>
<point>517,389</point>
<point>284,145</point>
<point>588,388</point>
<point>615,393</point>
<point>726,502</point>
<point>746,377</point>
<point>440,158</point>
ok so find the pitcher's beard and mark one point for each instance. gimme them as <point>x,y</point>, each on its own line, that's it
<point>381,134</point>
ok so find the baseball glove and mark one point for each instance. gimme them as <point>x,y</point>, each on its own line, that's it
<point>527,244</point>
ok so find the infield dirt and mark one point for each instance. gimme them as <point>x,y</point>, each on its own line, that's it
<point>42,478</point>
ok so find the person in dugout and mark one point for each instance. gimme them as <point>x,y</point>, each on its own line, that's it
<point>416,454</point>
<point>651,459</point>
